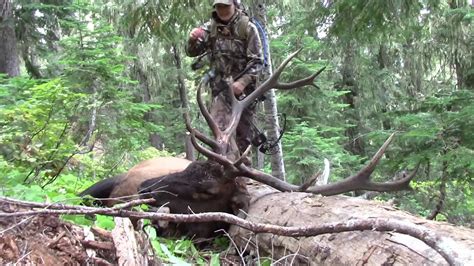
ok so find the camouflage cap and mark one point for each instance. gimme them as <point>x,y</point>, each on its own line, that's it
<point>224,2</point>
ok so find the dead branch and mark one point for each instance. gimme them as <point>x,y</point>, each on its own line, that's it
<point>102,233</point>
<point>60,206</point>
<point>97,244</point>
<point>443,245</point>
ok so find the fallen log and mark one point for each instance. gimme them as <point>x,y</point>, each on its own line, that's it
<point>368,247</point>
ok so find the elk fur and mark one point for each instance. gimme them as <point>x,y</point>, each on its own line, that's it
<point>124,187</point>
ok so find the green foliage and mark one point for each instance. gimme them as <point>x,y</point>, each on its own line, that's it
<point>48,125</point>
<point>98,67</point>
<point>175,252</point>
<point>307,146</point>
<point>183,251</point>
<point>105,222</point>
<point>395,61</point>
<point>313,131</point>
<point>440,136</point>
<point>34,129</point>
<point>64,190</point>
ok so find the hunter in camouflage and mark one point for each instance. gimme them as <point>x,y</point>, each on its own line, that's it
<point>235,55</point>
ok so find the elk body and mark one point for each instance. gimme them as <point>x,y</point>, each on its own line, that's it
<point>124,187</point>
<point>179,185</point>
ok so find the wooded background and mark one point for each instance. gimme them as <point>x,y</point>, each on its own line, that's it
<point>90,88</point>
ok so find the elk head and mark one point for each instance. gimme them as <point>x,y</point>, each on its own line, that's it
<point>201,187</point>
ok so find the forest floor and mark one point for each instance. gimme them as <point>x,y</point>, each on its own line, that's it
<point>47,240</point>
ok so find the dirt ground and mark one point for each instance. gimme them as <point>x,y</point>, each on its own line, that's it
<point>46,240</point>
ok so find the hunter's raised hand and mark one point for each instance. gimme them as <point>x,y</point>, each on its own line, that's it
<point>197,33</point>
<point>237,88</point>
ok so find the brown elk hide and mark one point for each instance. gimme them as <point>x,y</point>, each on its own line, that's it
<point>126,185</point>
<point>145,170</point>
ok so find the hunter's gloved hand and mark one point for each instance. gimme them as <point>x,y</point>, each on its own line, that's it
<point>197,34</point>
<point>238,88</point>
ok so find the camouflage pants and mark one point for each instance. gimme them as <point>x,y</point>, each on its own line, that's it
<point>221,112</point>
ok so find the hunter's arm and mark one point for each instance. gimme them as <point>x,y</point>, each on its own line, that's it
<point>255,56</point>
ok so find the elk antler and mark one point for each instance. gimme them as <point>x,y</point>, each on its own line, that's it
<point>222,138</point>
<point>359,181</point>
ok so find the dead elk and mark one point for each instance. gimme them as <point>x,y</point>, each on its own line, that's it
<point>181,187</point>
<point>201,187</point>
<point>215,185</point>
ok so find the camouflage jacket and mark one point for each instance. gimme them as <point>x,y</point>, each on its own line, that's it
<point>230,52</point>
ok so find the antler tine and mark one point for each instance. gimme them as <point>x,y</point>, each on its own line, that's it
<point>367,171</point>
<point>271,82</point>
<point>208,153</point>
<point>237,109</point>
<point>300,83</point>
<point>359,181</point>
<point>210,121</point>
<point>403,183</point>
<point>213,144</point>
<point>240,160</point>
<point>354,183</point>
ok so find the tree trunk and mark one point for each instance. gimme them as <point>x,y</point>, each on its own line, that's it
<point>461,58</point>
<point>412,70</point>
<point>346,248</point>
<point>349,82</point>
<point>383,62</point>
<point>272,126</point>
<point>272,129</point>
<point>9,62</point>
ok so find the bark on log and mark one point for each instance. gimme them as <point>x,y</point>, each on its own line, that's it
<point>132,247</point>
<point>347,248</point>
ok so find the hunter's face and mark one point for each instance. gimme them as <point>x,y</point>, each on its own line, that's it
<point>225,12</point>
